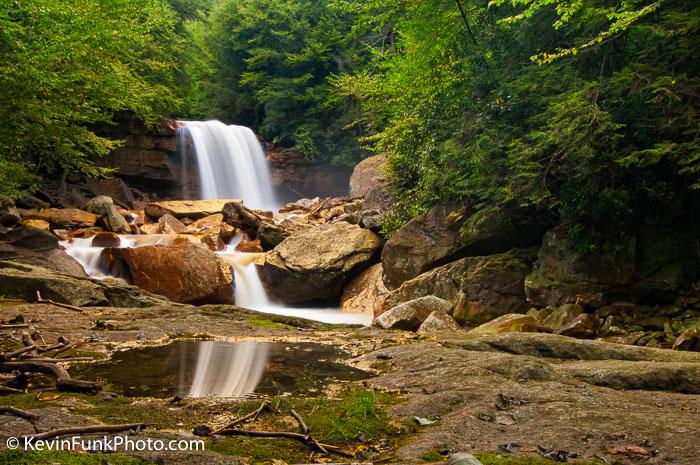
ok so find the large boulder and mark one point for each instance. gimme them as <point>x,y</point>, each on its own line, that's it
<point>480,288</point>
<point>114,188</point>
<point>109,215</point>
<point>423,243</point>
<point>22,281</point>
<point>376,205</point>
<point>367,175</point>
<point>365,292</point>
<point>410,316</point>
<point>438,321</point>
<point>183,272</point>
<point>63,218</point>
<point>317,263</point>
<point>193,209</point>
<point>9,215</point>
<point>563,276</point>
<point>509,323</point>
<point>29,245</point>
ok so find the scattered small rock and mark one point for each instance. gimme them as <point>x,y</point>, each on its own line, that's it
<point>425,421</point>
<point>202,430</point>
<point>463,458</point>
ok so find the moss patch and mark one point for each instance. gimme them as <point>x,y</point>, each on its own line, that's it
<point>266,323</point>
<point>498,459</point>
<point>64,458</point>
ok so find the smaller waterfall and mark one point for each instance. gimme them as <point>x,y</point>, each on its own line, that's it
<point>231,163</point>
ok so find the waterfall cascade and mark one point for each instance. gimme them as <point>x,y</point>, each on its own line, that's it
<point>231,164</point>
<point>230,161</point>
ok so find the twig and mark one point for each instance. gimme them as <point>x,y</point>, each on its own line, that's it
<point>59,360</point>
<point>307,432</point>
<point>29,416</point>
<point>87,430</point>
<point>39,300</point>
<point>63,380</point>
<point>69,346</point>
<point>252,415</point>
<point>23,325</point>
<point>9,389</point>
<point>281,434</point>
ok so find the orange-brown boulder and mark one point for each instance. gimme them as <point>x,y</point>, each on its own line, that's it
<point>184,272</point>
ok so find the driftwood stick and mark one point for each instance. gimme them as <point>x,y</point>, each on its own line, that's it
<point>58,360</point>
<point>19,352</point>
<point>69,346</point>
<point>29,416</point>
<point>281,434</point>
<point>249,416</point>
<point>9,389</point>
<point>39,300</point>
<point>87,430</point>
<point>305,429</point>
<point>17,326</point>
<point>19,413</point>
<point>63,380</point>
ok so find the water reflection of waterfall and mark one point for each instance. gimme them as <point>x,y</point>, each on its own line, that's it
<point>223,371</point>
<point>231,163</point>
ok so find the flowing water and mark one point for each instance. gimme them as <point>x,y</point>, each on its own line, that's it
<point>231,163</point>
<point>222,369</point>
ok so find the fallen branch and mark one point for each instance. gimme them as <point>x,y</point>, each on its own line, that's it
<point>305,429</point>
<point>39,300</point>
<point>29,416</point>
<point>250,416</point>
<point>63,380</point>
<point>69,346</point>
<point>17,326</point>
<point>86,430</point>
<point>281,434</point>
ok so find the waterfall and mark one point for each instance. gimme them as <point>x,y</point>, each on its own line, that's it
<point>231,163</point>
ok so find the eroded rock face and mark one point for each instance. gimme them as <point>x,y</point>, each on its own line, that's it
<point>22,281</point>
<point>9,215</point>
<point>33,246</point>
<point>510,323</point>
<point>480,288</point>
<point>364,293</point>
<point>423,243</point>
<point>562,276</point>
<point>438,321</point>
<point>367,175</point>
<point>63,218</point>
<point>316,263</point>
<point>183,272</point>
<point>193,209</point>
<point>410,316</point>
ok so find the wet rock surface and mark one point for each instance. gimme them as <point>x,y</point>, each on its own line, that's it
<point>586,397</point>
<point>183,272</point>
<point>317,263</point>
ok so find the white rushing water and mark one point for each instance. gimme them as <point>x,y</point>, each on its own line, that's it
<point>249,290</point>
<point>231,163</point>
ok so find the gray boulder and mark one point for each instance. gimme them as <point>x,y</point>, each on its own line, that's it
<point>317,263</point>
<point>410,316</point>
<point>9,215</point>
<point>438,321</point>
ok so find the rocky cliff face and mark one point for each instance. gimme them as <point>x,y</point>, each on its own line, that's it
<point>295,177</point>
<point>151,161</point>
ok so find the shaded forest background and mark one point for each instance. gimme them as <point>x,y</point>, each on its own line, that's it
<point>578,112</point>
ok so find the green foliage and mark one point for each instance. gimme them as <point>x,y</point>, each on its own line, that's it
<point>582,110</point>
<point>271,61</point>
<point>67,66</point>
